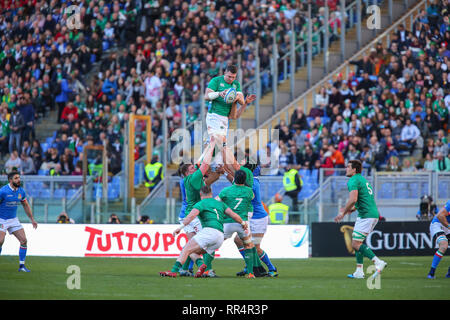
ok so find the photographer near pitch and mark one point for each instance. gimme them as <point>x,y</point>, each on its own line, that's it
<point>427,208</point>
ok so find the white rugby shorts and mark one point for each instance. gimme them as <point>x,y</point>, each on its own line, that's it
<point>216,124</point>
<point>209,239</point>
<point>363,227</point>
<point>194,226</point>
<point>232,227</point>
<point>259,225</point>
<point>436,227</point>
<point>10,225</point>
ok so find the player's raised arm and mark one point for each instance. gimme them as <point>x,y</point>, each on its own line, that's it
<point>230,159</point>
<point>235,113</point>
<point>214,176</point>
<point>229,174</point>
<point>27,208</point>
<point>208,156</point>
<point>188,219</point>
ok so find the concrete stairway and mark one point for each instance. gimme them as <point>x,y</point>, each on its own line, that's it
<point>248,118</point>
<point>47,126</point>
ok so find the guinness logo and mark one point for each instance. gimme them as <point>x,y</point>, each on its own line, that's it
<point>347,231</point>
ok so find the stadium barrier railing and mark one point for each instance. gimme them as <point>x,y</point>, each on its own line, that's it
<point>397,194</point>
<point>50,195</point>
<point>306,100</point>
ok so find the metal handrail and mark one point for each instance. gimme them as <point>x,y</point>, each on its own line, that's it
<point>72,201</point>
<point>344,65</point>
<point>300,45</point>
<point>151,195</point>
<point>252,81</point>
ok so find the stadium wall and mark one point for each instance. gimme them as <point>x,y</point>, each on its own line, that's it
<point>143,241</point>
<point>330,239</point>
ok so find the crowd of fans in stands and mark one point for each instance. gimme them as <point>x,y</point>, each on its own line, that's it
<point>145,54</point>
<point>396,106</point>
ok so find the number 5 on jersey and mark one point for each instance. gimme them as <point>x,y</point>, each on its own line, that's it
<point>369,188</point>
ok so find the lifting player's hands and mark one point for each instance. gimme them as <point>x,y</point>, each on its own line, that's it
<point>177,231</point>
<point>220,169</point>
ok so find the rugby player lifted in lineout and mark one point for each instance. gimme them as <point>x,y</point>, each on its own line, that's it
<point>220,111</point>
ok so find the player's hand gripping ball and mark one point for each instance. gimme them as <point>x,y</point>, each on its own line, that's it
<point>230,95</point>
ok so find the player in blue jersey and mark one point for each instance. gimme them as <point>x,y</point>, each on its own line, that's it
<point>191,229</point>
<point>440,232</point>
<point>11,195</point>
<point>258,227</point>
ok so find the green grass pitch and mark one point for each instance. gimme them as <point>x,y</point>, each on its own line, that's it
<point>314,278</point>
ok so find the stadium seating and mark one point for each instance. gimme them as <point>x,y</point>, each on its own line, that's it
<point>59,193</point>
<point>42,172</point>
<point>385,191</point>
<point>414,190</point>
<point>44,146</point>
<point>113,193</point>
<point>401,191</point>
<point>71,193</point>
<point>45,193</point>
<point>33,192</point>
<point>444,190</point>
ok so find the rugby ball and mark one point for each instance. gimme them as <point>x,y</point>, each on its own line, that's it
<point>230,96</point>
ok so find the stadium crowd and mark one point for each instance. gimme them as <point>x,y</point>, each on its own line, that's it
<point>139,56</point>
<point>392,114</point>
<point>143,54</point>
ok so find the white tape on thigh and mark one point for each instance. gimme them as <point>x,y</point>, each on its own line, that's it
<point>256,240</point>
<point>441,238</point>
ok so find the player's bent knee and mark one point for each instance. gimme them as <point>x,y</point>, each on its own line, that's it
<point>443,245</point>
<point>356,244</point>
<point>442,241</point>
<point>248,244</point>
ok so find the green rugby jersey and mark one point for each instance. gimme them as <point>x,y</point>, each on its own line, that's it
<point>239,199</point>
<point>366,202</point>
<point>212,213</point>
<point>192,185</point>
<point>219,106</point>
